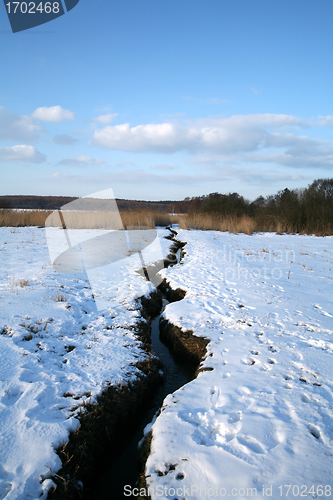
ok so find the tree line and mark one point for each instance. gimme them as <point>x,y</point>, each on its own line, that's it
<point>299,210</point>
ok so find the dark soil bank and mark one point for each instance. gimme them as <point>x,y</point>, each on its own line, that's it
<point>125,470</point>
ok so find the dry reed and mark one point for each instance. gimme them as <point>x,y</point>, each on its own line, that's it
<point>85,219</point>
<point>15,218</point>
<point>246,224</point>
<point>150,219</point>
<point>206,222</point>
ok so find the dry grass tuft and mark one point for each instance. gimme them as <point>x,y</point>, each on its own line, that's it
<point>13,284</point>
<point>60,297</point>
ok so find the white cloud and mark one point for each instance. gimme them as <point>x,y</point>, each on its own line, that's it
<point>21,153</point>
<point>53,114</point>
<point>17,127</point>
<point>234,134</point>
<point>81,161</point>
<point>170,138</point>
<point>271,138</point>
<point>104,119</point>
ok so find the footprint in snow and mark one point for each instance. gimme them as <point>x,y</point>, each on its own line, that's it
<point>305,398</point>
<point>29,376</point>
<point>236,417</point>
<point>251,443</point>
<point>12,395</point>
<point>249,361</point>
<point>265,367</point>
<point>314,431</point>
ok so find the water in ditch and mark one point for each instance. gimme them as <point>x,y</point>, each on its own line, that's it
<point>124,470</point>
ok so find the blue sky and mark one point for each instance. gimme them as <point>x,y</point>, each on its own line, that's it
<point>163,99</point>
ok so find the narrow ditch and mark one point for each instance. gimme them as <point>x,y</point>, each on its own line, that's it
<point>128,466</point>
<point>102,456</point>
<point>125,470</point>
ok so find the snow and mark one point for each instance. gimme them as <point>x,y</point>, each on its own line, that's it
<point>259,416</point>
<point>59,348</point>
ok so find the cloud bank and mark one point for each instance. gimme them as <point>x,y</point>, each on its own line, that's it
<point>259,138</point>
<point>222,135</point>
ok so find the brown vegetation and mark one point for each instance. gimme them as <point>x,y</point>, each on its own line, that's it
<point>144,218</point>
<point>84,219</point>
<point>26,218</point>
<point>243,224</point>
<point>249,225</point>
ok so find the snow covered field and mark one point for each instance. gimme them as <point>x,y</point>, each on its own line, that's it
<point>57,350</point>
<point>261,419</point>
<point>258,422</point>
